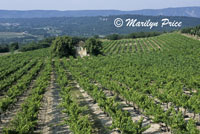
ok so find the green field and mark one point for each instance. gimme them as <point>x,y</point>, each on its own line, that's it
<point>145,85</point>
<point>21,37</point>
<point>11,35</point>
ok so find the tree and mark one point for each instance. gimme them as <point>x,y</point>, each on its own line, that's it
<point>4,48</point>
<point>63,46</point>
<point>76,40</point>
<point>93,46</point>
<point>96,36</point>
<point>14,46</point>
<point>114,37</point>
<point>29,47</point>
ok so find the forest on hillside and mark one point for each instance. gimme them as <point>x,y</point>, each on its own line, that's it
<point>32,29</point>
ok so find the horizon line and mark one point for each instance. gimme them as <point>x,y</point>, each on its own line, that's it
<point>96,9</point>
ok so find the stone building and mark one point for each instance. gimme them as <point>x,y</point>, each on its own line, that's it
<point>80,50</point>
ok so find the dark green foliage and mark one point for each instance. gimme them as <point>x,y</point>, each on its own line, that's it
<point>193,30</point>
<point>62,47</point>
<point>133,35</point>
<point>143,34</point>
<point>76,40</point>
<point>114,37</point>
<point>37,28</point>
<point>137,76</point>
<point>32,46</point>
<point>41,44</point>
<point>14,46</point>
<point>4,48</point>
<point>96,36</point>
<point>93,46</point>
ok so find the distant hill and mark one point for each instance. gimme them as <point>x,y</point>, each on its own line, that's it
<point>181,11</point>
<point>83,26</point>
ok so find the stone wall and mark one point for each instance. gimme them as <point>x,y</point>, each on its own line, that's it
<point>80,51</point>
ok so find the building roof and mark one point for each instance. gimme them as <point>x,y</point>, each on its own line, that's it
<point>80,44</point>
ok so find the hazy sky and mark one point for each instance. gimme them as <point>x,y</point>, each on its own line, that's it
<point>94,4</point>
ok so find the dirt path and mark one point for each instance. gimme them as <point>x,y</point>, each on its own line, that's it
<point>141,46</point>
<point>10,114</point>
<point>136,48</point>
<point>150,44</point>
<point>189,114</point>
<point>145,45</point>
<point>98,113</point>
<point>164,43</point>
<point>50,119</point>
<point>158,46</point>
<point>98,117</point>
<point>136,115</point>
<point>191,36</point>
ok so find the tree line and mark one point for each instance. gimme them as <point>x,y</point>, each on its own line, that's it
<point>192,30</point>
<point>9,48</point>
<point>133,35</point>
<point>65,46</point>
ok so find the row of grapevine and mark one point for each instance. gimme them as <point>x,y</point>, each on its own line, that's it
<point>132,45</point>
<point>11,60</point>
<point>7,82</point>
<point>12,69</point>
<point>150,108</point>
<point>163,75</point>
<point>78,122</point>
<point>26,119</point>
<point>17,90</point>
<point>121,119</point>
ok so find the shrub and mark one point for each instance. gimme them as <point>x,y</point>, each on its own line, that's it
<point>93,46</point>
<point>63,47</point>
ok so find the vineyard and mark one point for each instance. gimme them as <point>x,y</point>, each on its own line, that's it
<point>139,86</point>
